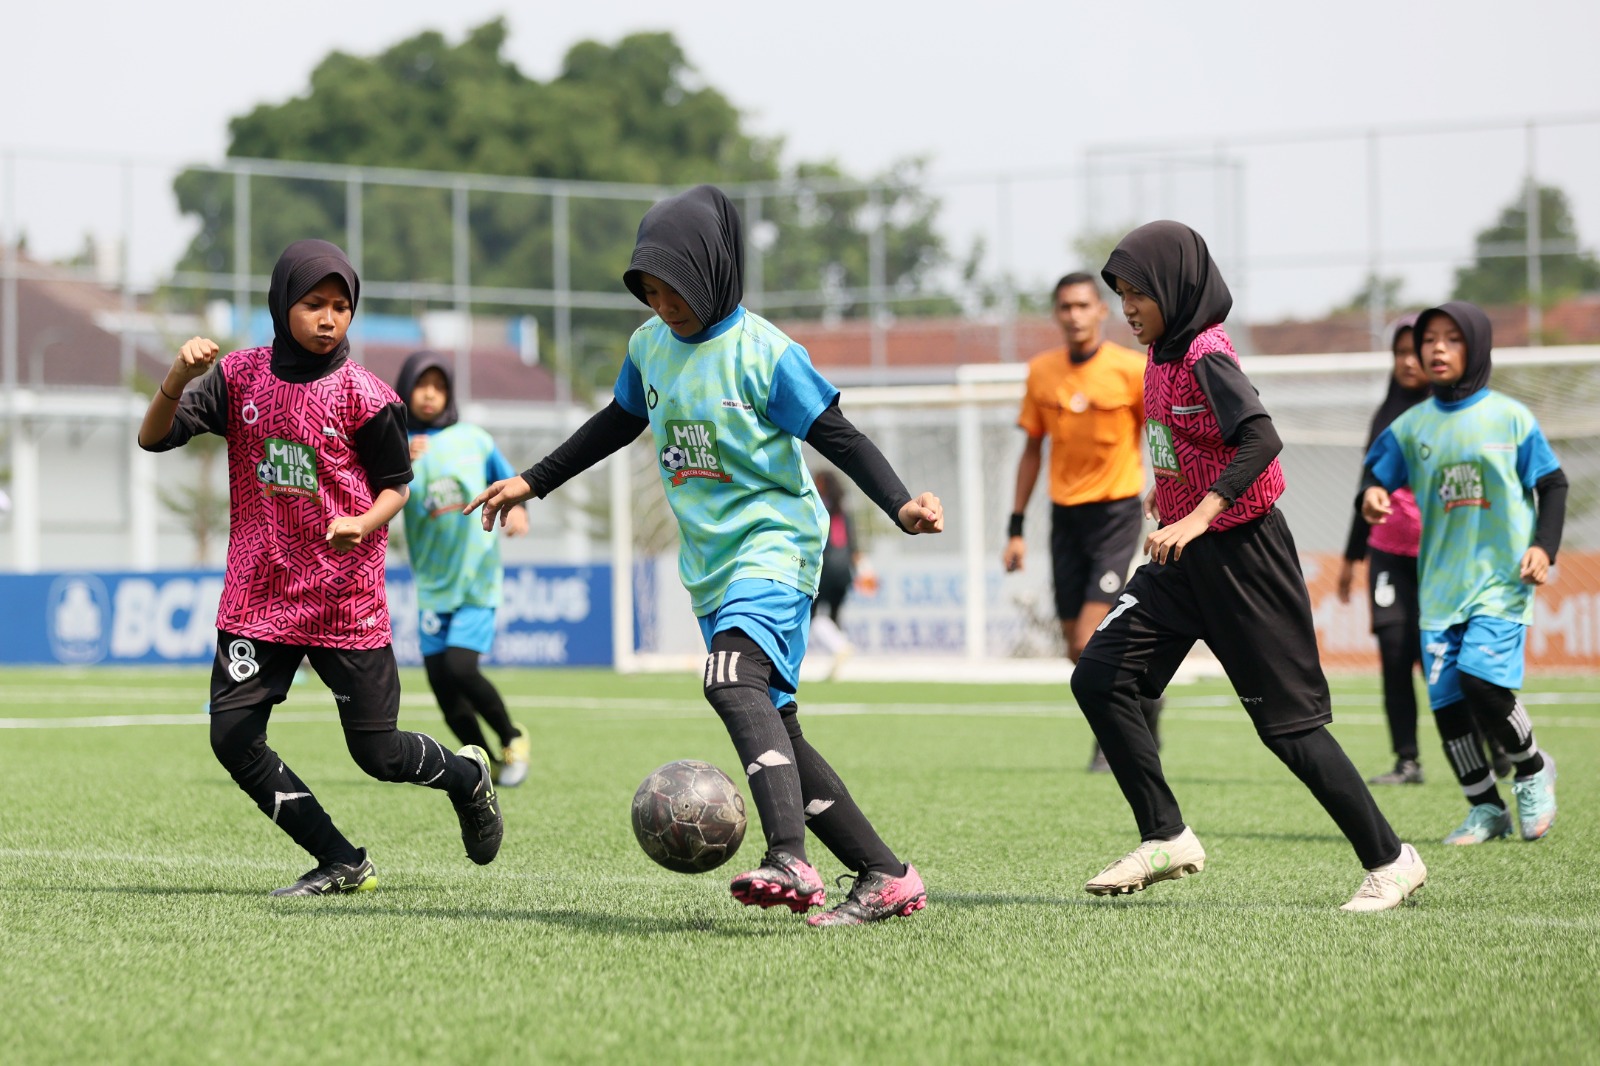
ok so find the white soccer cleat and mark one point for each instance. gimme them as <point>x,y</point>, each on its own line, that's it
<point>1389,886</point>
<point>1152,861</point>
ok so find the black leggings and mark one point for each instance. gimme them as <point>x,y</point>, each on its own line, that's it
<point>1400,649</point>
<point>464,694</point>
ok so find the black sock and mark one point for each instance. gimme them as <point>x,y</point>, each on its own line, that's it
<point>413,758</point>
<point>1503,717</point>
<point>1464,751</point>
<point>481,695</point>
<point>1316,758</point>
<point>239,739</point>
<point>458,714</point>
<point>832,814</point>
<point>737,671</point>
<point>1110,700</point>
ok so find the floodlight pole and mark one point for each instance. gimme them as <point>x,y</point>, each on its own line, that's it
<point>353,238</point>
<point>462,267</point>
<point>1376,311</point>
<point>241,255</point>
<point>561,245</point>
<point>1534,240</point>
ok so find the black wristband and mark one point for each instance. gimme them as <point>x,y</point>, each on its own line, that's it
<point>1014,529</point>
<point>162,385</point>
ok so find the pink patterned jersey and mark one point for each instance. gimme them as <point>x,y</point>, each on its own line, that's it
<point>291,471</point>
<point>1401,533</point>
<point>1186,446</point>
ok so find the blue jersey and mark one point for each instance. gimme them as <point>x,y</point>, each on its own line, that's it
<point>728,410</point>
<point>1472,466</point>
<point>455,563</point>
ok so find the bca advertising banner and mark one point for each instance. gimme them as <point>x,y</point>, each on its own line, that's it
<point>549,616</point>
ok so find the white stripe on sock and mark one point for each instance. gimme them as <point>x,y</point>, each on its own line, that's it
<point>733,666</point>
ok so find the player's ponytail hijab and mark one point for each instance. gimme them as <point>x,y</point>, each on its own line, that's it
<point>1169,262</point>
<point>1479,337</point>
<point>695,243</point>
<point>301,268</point>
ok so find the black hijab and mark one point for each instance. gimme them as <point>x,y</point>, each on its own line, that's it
<point>693,242</point>
<point>1399,399</point>
<point>416,364</point>
<point>1169,262</point>
<point>1478,334</point>
<point>301,268</point>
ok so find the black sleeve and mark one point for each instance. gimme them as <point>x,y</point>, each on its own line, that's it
<point>611,429</point>
<point>1258,444</point>
<point>384,449</point>
<point>1355,545</point>
<point>202,409</point>
<point>1231,396</point>
<point>1552,494</point>
<point>846,447</point>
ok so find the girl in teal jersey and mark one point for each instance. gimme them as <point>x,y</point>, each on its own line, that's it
<point>728,398</point>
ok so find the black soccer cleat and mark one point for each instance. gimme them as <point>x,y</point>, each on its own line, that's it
<point>335,879</point>
<point>482,828</point>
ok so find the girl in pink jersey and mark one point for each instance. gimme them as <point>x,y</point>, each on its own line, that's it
<point>1223,569</point>
<point>318,463</point>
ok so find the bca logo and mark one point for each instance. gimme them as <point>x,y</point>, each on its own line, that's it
<point>77,611</point>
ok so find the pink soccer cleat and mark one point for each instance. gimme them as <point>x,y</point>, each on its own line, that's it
<point>780,881</point>
<point>876,896</point>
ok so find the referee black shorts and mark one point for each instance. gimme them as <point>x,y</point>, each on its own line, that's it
<point>1091,545</point>
<point>1242,592</point>
<point>249,672</point>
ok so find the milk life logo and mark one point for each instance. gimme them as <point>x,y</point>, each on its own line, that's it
<point>1163,456</point>
<point>691,451</point>
<point>444,495</point>
<point>288,468</point>
<point>1461,485</point>
<point>78,615</point>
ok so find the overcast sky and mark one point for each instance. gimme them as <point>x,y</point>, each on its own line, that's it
<point>981,88</point>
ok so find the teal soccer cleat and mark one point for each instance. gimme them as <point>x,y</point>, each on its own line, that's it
<point>1484,822</point>
<point>1536,801</point>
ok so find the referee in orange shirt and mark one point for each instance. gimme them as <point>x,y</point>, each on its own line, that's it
<point>1088,398</point>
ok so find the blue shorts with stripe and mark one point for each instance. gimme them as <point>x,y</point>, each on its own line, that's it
<point>464,627</point>
<point>1487,648</point>
<point>774,615</point>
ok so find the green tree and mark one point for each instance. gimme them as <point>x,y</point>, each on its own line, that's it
<point>1387,289</point>
<point>1498,278</point>
<point>633,112</point>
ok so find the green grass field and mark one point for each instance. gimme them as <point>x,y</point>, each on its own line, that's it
<point>135,926</point>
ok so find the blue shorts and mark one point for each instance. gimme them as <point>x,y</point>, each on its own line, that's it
<point>1487,648</point>
<point>465,627</point>
<point>774,615</point>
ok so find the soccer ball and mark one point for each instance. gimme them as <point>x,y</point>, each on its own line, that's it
<point>688,816</point>
<point>674,458</point>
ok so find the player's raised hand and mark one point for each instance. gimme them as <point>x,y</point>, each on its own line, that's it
<point>195,358</point>
<point>1375,505</point>
<point>499,499</point>
<point>1535,566</point>
<point>419,446</point>
<point>345,533</point>
<point>1016,551</point>
<point>925,514</point>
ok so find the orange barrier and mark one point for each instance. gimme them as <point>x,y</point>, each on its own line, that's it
<point>1565,635</point>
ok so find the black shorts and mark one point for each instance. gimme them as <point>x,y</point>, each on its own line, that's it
<point>249,672</point>
<point>1091,545</point>
<point>1242,592</point>
<point>1392,587</point>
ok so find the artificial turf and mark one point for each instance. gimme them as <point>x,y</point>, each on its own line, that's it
<point>135,925</point>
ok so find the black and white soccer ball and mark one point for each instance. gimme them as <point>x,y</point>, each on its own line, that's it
<point>674,458</point>
<point>688,816</point>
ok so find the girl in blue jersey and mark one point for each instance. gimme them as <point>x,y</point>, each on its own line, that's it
<point>456,568</point>
<point>1492,498</point>
<point>728,398</point>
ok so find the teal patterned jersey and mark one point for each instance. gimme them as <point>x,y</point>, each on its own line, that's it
<point>455,563</point>
<point>728,409</point>
<point>1472,466</point>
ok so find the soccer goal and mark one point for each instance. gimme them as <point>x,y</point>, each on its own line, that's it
<point>946,598</point>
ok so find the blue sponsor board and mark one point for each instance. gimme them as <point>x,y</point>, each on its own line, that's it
<point>549,616</point>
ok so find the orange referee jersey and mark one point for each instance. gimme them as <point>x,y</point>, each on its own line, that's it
<point>1093,413</point>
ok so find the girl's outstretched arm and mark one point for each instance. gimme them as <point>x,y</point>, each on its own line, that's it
<point>837,440</point>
